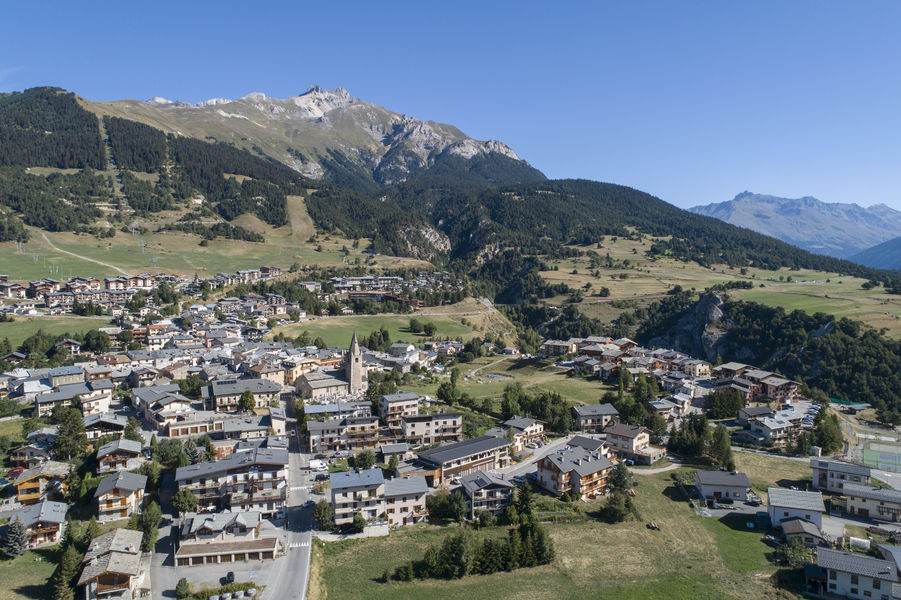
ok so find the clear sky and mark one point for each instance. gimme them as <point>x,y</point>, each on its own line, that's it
<point>691,101</point>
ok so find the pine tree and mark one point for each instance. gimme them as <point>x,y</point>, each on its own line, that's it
<point>721,448</point>
<point>16,541</point>
<point>91,531</point>
<point>65,574</point>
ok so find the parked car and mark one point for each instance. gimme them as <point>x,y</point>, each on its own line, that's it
<point>15,472</point>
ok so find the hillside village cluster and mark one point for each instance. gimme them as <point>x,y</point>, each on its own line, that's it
<point>252,390</point>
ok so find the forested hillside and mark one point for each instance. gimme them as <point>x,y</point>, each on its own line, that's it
<point>840,358</point>
<point>47,127</point>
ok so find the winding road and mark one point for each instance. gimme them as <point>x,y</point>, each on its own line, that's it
<point>101,263</point>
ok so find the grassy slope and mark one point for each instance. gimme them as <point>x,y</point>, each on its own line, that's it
<point>27,577</point>
<point>691,557</point>
<point>449,320</point>
<point>24,327</point>
<point>809,290</point>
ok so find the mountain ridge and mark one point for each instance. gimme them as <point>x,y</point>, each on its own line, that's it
<point>833,229</point>
<point>326,134</point>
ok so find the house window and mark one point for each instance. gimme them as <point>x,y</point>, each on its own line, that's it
<point>876,584</point>
<point>854,579</point>
<point>833,575</point>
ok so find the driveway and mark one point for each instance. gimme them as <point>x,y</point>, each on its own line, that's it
<point>528,465</point>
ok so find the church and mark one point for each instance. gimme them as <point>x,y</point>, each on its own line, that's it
<point>319,385</point>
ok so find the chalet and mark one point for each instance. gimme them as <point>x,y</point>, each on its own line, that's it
<point>115,567</point>
<point>831,475</point>
<point>11,290</point>
<point>593,418</point>
<point>41,482</point>
<point>633,443</point>
<point>783,505</point>
<point>224,538</point>
<point>485,491</point>
<point>119,455</point>
<point>73,347</point>
<point>43,521</point>
<point>119,495</point>
<point>100,424</point>
<point>468,456</point>
<point>576,471</point>
<point>714,486</point>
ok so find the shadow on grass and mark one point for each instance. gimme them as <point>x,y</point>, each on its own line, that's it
<point>522,363</point>
<point>790,579</point>
<point>674,493</point>
<point>801,484</point>
<point>739,522</point>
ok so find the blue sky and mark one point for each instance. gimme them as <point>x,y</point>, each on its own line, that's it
<point>691,101</point>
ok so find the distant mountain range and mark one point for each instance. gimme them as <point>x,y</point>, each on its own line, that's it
<point>839,230</point>
<point>886,255</point>
<point>332,135</point>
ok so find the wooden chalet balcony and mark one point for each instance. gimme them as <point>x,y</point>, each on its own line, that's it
<point>106,588</point>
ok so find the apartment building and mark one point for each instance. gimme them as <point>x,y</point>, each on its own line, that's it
<point>831,475</point>
<point>225,395</point>
<point>255,479</point>
<point>393,407</point>
<point>351,433</point>
<point>360,491</point>
<point>576,471</point>
<point>633,443</point>
<point>593,418</point>
<point>435,428</point>
<point>485,491</point>
<point>405,500</point>
<point>454,460</point>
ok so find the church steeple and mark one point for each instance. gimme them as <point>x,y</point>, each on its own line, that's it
<point>353,366</point>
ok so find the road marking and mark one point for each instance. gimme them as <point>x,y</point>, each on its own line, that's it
<point>298,545</point>
<point>300,488</point>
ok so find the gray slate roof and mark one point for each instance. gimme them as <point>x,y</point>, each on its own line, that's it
<point>858,564</point>
<point>219,521</point>
<point>595,410</point>
<point>458,450</point>
<point>46,511</point>
<point>400,397</point>
<point>366,477</point>
<point>840,466</point>
<point>117,551</point>
<point>238,460</point>
<point>120,444</point>
<point>580,460</point>
<point>796,499</point>
<point>123,480</point>
<point>410,486</point>
<point>228,387</point>
<point>722,478</point>
<point>872,493</point>
<point>479,480</point>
